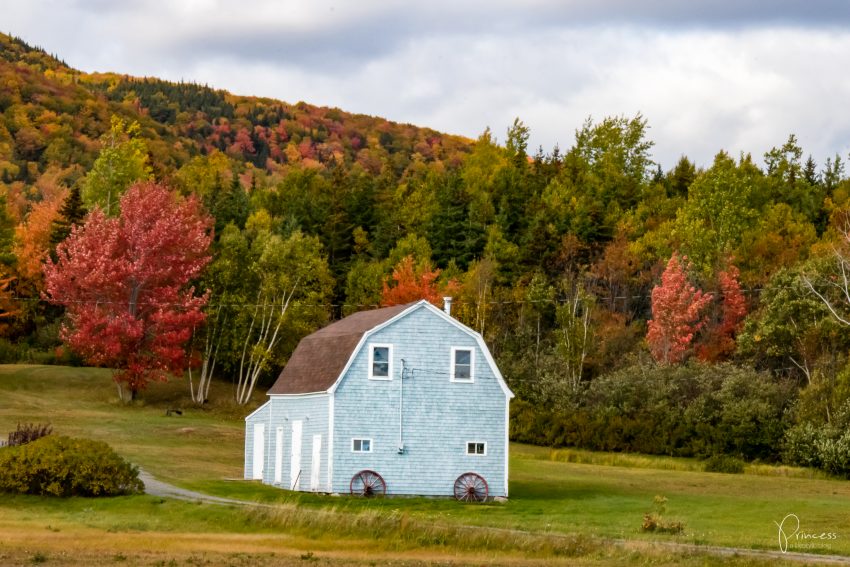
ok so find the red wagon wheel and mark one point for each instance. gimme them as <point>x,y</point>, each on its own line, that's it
<point>368,483</point>
<point>471,487</point>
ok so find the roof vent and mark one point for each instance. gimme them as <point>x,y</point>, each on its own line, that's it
<point>447,305</point>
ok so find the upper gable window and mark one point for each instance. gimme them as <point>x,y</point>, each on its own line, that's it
<point>463,364</point>
<point>380,362</point>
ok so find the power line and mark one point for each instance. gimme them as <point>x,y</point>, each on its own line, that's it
<point>456,302</point>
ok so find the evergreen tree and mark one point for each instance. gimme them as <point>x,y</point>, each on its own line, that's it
<point>71,214</point>
<point>7,234</point>
<point>228,204</point>
<point>452,233</point>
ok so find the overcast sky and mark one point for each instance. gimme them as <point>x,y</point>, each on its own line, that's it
<point>738,75</point>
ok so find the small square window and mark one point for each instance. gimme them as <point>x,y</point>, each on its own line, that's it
<point>361,445</point>
<point>476,448</point>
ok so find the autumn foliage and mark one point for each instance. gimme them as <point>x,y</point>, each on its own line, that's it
<point>677,314</point>
<point>719,342</point>
<point>410,284</point>
<point>33,238</point>
<point>124,284</point>
<point>8,308</point>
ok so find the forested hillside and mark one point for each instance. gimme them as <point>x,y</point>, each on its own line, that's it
<point>631,305</point>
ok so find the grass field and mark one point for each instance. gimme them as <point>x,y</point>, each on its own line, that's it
<point>566,506</point>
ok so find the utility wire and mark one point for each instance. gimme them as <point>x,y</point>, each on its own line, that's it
<point>456,302</point>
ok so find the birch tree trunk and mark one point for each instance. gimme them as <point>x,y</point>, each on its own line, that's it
<point>574,335</point>
<point>212,342</point>
<point>262,337</point>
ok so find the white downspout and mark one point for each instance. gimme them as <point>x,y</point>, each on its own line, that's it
<point>401,411</point>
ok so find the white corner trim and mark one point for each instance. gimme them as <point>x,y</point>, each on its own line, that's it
<point>389,347</point>
<point>471,378</point>
<point>330,442</point>
<point>507,440</point>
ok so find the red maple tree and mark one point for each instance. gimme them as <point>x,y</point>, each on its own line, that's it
<point>124,285</point>
<point>412,284</point>
<point>719,341</point>
<point>677,314</point>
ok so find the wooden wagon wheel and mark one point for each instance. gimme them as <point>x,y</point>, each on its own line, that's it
<point>471,487</point>
<point>368,483</point>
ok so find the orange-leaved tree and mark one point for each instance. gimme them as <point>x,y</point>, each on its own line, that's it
<point>33,244</point>
<point>409,283</point>
<point>124,283</point>
<point>677,313</point>
<point>719,340</point>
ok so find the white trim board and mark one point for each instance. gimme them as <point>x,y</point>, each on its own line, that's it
<point>256,411</point>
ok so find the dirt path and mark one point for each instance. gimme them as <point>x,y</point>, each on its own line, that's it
<point>156,487</point>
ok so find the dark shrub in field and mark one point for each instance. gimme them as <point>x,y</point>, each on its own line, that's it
<point>64,466</point>
<point>724,464</point>
<point>692,410</point>
<point>826,447</point>
<point>28,433</point>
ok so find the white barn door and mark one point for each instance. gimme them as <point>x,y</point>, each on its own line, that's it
<point>259,451</point>
<point>295,456</point>
<point>278,456</point>
<point>316,462</point>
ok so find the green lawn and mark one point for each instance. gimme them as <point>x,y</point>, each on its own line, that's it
<point>564,503</point>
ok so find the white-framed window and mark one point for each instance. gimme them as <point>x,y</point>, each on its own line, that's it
<point>462,364</point>
<point>361,445</point>
<point>380,362</point>
<point>476,448</point>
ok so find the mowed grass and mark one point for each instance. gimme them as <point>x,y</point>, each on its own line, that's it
<point>203,442</point>
<point>565,504</point>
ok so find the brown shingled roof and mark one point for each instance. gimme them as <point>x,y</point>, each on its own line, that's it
<point>319,358</point>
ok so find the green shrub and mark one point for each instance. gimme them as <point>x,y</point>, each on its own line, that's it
<point>64,466</point>
<point>691,410</point>
<point>825,447</point>
<point>724,464</point>
<point>8,352</point>
<point>834,453</point>
<point>800,446</point>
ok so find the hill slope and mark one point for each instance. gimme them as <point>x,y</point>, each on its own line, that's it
<point>53,115</point>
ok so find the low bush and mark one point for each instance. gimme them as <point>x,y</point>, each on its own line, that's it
<point>64,466</point>
<point>834,453</point>
<point>801,445</point>
<point>691,410</point>
<point>820,444</point>
<point>8,351</point>
<point>724,464</point>
<point>28,433</point>
<point>654,521</point>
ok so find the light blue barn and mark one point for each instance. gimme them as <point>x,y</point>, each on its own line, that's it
<point>402,400</point>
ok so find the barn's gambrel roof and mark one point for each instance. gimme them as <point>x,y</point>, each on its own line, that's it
<point>320,360</point>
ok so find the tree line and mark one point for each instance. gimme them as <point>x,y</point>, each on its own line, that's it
<point>575,265</point>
